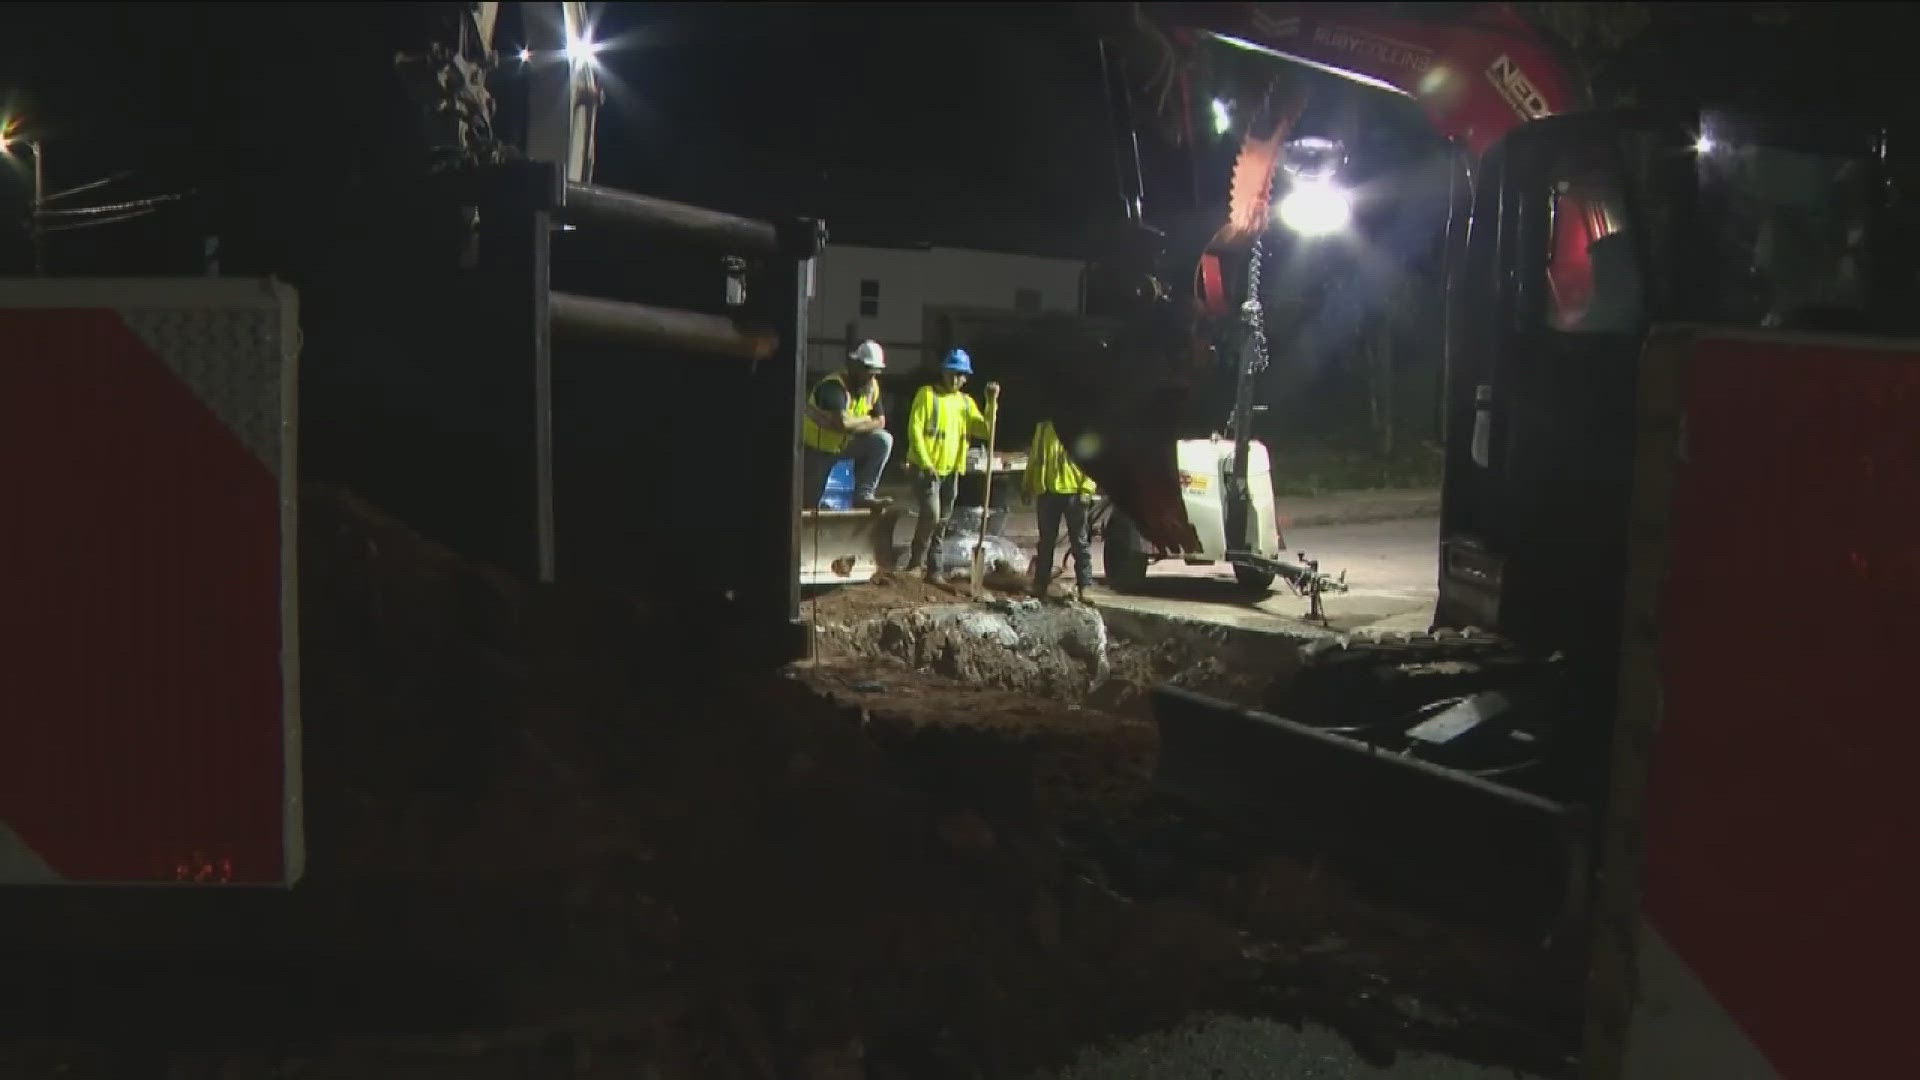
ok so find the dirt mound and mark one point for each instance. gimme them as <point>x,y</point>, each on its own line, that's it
<point>554,833</point>
<point>925,627</point>
<point>558,824</point>
<point>886,591</point>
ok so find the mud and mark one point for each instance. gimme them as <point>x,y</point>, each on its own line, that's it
<point>1082,764</point>
<point>553,834</point>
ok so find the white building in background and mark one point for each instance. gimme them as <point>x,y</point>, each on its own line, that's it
<point>909,298</point>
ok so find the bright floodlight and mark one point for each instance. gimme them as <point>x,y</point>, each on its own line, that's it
<point>580,50</point>
<point>1316,208</point>
<point>1703,145</point>
<point>526,55</point>
<point>1222,120</point>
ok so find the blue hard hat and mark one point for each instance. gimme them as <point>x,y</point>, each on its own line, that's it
<point>959,361</point>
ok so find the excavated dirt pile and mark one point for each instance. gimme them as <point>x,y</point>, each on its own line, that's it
<point>550,835</point>
<point>1029,728</point>
<point>1104,659</point>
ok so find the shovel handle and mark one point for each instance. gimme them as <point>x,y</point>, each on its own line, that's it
<point>986,491</point>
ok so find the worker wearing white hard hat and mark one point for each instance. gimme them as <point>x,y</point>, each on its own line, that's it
<point>843,418</point>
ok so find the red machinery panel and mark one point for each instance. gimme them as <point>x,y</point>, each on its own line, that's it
<point>149,722</point>
<point>1776,917</point>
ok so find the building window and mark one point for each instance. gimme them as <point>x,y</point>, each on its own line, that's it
<point>1026,300</point>
<point>869,298</point>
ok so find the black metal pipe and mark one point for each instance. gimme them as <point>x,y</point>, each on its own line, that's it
<point>625,323</point>
<point>589,204</point>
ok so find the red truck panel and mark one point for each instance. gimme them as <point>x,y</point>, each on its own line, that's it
<point>1779,818</point>
<point>150,727</point>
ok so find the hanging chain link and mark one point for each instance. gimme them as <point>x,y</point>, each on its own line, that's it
<point>1252,313</point>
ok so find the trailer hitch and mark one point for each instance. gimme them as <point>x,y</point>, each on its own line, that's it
<point>1303,578</point>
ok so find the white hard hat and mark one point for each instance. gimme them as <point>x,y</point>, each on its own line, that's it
<point>869,355</point>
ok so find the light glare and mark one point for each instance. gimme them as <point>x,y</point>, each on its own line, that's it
<point>1316,208</point>
<point>1222,120</point>
<point>580,50</point>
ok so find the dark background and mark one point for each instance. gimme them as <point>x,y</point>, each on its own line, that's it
<point>980,125</point>
<point>976,124</point>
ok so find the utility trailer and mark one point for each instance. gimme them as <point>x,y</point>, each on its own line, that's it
<point>1226,487</point>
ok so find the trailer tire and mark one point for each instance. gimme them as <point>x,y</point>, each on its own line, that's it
<point>1255,581</point>
<point>1123,557</point>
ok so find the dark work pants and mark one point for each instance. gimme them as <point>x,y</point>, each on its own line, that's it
<point>932,504</point>
<point>1052,510</point>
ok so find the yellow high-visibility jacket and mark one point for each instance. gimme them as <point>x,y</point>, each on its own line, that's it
<point>818,436</point>
<point>938,426</point>
<point>1049,470</point>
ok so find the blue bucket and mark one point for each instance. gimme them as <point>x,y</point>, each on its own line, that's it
<point>838,494</point>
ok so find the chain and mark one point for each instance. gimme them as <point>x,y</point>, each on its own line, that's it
<point>1252,313</point>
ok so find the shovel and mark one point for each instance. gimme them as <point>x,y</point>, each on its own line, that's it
<point>986,491</point>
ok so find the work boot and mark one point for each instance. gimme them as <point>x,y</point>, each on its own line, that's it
<point>1083,593</point>
<point>873,502</point>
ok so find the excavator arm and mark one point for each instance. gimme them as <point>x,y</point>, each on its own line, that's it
<point>1477,70</point>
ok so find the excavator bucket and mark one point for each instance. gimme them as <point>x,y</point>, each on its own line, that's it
<point>1434,835</point>
<point>839,547</point>
<point>1118,399</point>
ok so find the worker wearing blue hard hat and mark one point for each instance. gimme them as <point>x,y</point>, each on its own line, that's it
<point>939,426</point>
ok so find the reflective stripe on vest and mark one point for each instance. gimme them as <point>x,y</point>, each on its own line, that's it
<point>824,439</point>
<point>945,432</point>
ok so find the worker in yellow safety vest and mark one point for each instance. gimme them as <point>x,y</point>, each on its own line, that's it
<point>1064,494</point>
<point>843,418</point>
<point>939,427</point>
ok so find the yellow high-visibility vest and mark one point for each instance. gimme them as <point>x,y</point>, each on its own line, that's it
<point>1049,470</point>
<point>938,427</point>
<point>819,437</point>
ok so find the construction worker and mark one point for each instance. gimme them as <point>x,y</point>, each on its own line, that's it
<point>844,419</point>
<point>1064,494</point>
<point>941,422</point>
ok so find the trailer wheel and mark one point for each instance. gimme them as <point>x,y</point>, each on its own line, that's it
<point>1123,556</point>
<point>1255,581</point>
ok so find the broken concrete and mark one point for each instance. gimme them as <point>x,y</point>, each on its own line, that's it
<point>1056,650</point>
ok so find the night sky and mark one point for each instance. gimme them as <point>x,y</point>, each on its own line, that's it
<point>972,124</point>
<point>959,123</point>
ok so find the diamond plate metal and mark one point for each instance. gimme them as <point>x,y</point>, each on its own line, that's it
<point>231,358</point>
